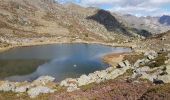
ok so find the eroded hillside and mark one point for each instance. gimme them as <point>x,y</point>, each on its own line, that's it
<point>30,21</point>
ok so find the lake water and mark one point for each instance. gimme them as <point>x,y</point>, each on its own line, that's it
<point>58,60</point>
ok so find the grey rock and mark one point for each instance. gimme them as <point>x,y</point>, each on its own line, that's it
<point>83,80</point>
<point>139,62</point>
<point>22,89</point>
<point>127,63</point>
<point>7,86</point>
<point>72,88</point>
<point>169,55</point>
<point>121,65</point>
<point>34,92</point>
<point>124,64</point>
<point>68,82</point>
<point>151,54</point>
<point>43,80</point>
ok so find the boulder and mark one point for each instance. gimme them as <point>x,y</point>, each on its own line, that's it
<point>138,63</point>
<point>163,38</point>
<point>169,55</point>
<point>22,89</point>
<point>149,77</point>
<point>43,80</point>
<point>121,65</point>
<point>83,80</point>
<point>8,86</point>
<point>68,82</point>
<point>158,81</point>
<point>124,64</point>
<point>72,88</point>
<point>34,92</point>
<point>151,55</point>
<point>109,69</point>
<point>127,63</point>
<point>165,78</point>
<point>143,69</point>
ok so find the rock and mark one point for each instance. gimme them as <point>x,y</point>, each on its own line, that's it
<point>83,80</point>
<point>136,76</point>
<point>139,62</point>
<point>163,38</point>
<point>34,92</point>
<point>109,69</point>
<point>124,64</point>
<point>149,77</point>
<point>43,80</point>
<point>169,55</point>
<point>102,76</point>
<point>127,63</point>
<point>8,86</point>
<point>143,69</point>
<point>22,89</point>
<point>165,78</point>
<point>158,81</point>
<point>121,65</point>
<point>72,88</point>
<point>68,82</point>
<point>163,50</point>
<point>151,55</point>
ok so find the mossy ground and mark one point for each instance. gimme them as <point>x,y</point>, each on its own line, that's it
<point>159,61</point>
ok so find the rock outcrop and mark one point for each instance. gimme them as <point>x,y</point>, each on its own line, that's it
<point>33,89</point>
<point>158,74</point>
<point>8,86</point>
<point>34,92</point>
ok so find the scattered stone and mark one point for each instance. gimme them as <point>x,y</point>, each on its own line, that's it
<point>151,55</point>
<point>34,92</point>
<point>163,50</point>
<point>8,86</point>
<point>140,62</point>
<point>163,38</point>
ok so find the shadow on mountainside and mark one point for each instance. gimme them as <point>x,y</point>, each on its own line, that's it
<point>112,24</point>
<point>105,18</point>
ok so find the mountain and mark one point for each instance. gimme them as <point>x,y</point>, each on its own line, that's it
<point>149,23</point>
<point>165,19</point>
<point>29,21</point>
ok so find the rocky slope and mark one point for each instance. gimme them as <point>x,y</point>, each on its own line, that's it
<point>30,21</point>
<point>155,25</point>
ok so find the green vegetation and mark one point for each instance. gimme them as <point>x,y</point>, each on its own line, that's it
<point>159,61</point>
<point>132,58</point>
<point>160,89</point>
<point>87,87</point>
<point>129,72</point>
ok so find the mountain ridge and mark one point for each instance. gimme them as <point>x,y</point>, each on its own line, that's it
<point>37,20</point>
